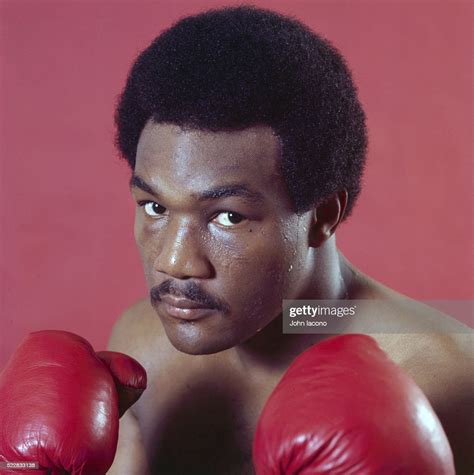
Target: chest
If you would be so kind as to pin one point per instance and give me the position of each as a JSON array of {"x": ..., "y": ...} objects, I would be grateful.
[{"x": 201, "y": 423}]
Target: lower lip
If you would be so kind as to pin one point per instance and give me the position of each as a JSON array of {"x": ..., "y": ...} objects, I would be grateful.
[{"x": 186, "y": 313}]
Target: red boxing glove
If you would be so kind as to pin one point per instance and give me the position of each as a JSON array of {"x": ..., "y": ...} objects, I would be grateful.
[
  {"x": 343, "y": 407},
  {"x": 60, "y": 403}
]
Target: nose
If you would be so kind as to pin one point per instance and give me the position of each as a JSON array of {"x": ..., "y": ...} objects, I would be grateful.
[{"x": 181, "y": 253}]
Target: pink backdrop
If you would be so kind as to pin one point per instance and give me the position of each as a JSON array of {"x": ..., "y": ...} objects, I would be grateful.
[{"x": 67, "y": 253}]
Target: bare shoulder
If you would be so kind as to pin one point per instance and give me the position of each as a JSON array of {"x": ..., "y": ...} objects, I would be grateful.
[
  {"x": 137, "y": 332},
  {"x": 126, "y": 327},
  {"x": 432, "y": 347},
  {"x": 438, "y": 353},
  {"x": 422, "y": 334}
]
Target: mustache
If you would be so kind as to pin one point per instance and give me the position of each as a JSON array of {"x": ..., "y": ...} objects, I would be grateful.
[{"x": 190, "y": 291}]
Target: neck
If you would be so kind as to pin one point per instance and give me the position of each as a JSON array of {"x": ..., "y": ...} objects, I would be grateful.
[{"x": 329, "y": 277}]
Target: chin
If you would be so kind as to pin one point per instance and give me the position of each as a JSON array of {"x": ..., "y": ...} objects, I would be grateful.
[{"x": 190, "y": 339}]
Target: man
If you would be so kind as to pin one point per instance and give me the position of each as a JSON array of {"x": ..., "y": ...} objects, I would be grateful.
[{"x": 247, "y": 144}]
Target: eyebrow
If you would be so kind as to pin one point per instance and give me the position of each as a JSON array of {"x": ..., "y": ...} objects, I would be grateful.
[
  {"x": 138, "y": 182},
  {"x": 218, "y": 192}
]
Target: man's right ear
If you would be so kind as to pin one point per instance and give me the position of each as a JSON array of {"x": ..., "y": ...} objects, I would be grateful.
[{"x": 326, "y": 217}]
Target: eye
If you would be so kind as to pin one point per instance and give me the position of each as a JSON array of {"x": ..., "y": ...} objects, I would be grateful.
[
  {"x": 152, "y": 209},
  {"x": 229, "y": 218}
]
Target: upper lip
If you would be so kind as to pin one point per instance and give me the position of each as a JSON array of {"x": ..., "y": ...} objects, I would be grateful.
[{"x": 181, "y": 302}]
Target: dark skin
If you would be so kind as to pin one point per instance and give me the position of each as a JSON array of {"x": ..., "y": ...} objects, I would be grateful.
[
  {"x": 214, "y": 223},
  {"x": 191, "y": 238}
]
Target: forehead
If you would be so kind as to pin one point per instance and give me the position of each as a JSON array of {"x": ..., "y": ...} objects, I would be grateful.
[{"x": 169, "y": 156}]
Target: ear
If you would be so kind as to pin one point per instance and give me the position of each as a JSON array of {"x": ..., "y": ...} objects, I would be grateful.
[{"x": 326, "y": 218}]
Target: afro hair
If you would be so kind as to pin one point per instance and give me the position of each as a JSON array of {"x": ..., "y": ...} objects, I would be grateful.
[{"x": 237, "y": 67}]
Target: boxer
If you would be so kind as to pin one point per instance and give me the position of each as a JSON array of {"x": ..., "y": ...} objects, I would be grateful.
[{"x": 247, "y": 144}]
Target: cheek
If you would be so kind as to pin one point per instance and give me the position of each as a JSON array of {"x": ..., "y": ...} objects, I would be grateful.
[
  {"x": 143, "y": 245},
  {"x": 138, "y": 229},
  {"x": 261, "y": 252},
  {"x": 256, "y": 273},
  {"x": 268, "y": 269}
]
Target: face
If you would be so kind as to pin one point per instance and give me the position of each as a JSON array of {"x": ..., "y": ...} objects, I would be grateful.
[{"x": 220, "y": 244}]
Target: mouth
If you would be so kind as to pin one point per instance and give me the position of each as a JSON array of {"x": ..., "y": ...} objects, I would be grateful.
[{"x": 184, "y": 309}]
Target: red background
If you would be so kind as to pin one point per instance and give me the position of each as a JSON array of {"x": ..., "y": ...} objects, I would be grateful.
[{"x": 67, "y": 251}]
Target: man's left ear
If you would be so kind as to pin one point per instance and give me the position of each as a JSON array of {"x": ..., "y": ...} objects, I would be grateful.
[{"x": 326, "y": 218}]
